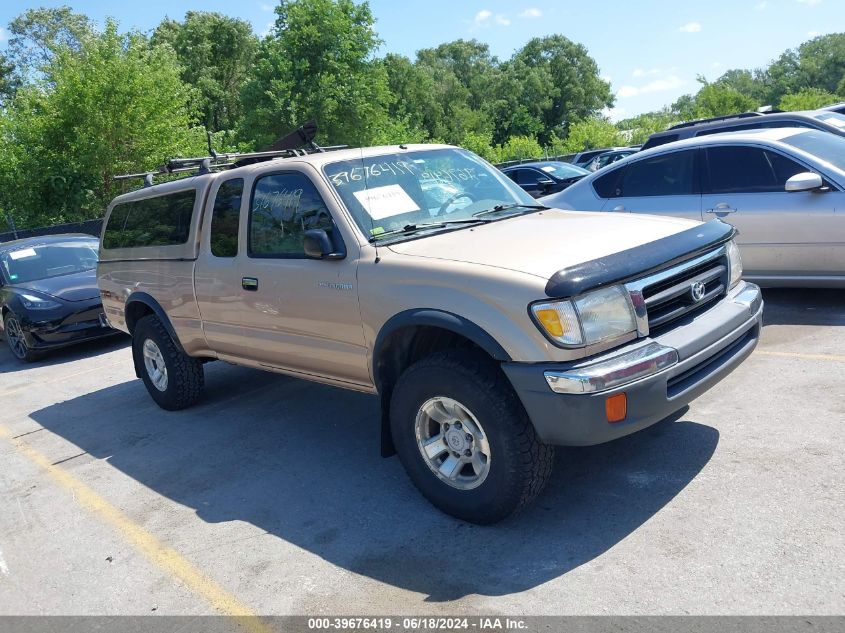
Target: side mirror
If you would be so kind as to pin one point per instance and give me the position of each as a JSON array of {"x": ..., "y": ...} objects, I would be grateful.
[
  {"x": 317, "y": 245},
  {"x": 546, "y": 183},
  {"x": 805, "y": 181}
]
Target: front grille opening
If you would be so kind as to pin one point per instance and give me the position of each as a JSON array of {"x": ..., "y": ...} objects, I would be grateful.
[
  {"x": 694, "y": 375},
  {"x": 671, "y": 300}
]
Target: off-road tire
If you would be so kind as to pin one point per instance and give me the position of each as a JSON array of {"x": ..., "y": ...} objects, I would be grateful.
[
  {"x": 520, "y": 463},
  {"x": 185, "y": 378}
]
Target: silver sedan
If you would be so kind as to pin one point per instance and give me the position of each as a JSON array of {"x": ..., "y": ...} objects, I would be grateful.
[{"x": 782, "y": 188}]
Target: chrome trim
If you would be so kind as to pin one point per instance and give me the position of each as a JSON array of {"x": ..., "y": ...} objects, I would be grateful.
[
  {"x": 635, "y": 288},
  {"x": 749, "y": 296},
  {"x": 615, "y": 372}
]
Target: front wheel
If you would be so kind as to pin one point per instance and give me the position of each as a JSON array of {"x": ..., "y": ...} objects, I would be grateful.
[
  {"x": 16, "y": 340},
  {"x": 173, "y": 379},
  {"x": 465, "y": 439}
]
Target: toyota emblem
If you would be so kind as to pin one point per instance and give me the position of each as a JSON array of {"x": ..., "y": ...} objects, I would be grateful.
[{"x": 697, "y": 290}]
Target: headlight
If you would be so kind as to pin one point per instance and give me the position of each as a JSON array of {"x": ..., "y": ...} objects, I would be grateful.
[
  {"x": 597, "y": 316},
  {"x": 31, "y": 302},
  {"x": 735, "y": 263}
]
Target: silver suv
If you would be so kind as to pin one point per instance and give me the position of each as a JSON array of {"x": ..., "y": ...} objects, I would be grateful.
[{"x": 489, "y": 327}]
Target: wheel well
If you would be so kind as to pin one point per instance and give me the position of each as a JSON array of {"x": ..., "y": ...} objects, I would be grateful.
[
  {"x": 401, "y": 349},
  {"x": 135, "y": 311}
]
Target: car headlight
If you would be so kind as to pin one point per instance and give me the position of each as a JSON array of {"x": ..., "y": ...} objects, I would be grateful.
[
  {"x": 601, "y": 315},
  {"x": 31, "y": 302},
  {"x": 735, "y": 263}
]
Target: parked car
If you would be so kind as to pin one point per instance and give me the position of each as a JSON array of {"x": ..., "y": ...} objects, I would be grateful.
[
  {"x": 544, "y": 177},
  {"x": 608, "y": 158},
  {"x": 835, "y": 107},
  {"x": 824, "y": 120},
  {"x": 490, "y": 333},
  {"x": 783, "y": 188},
  {"x": 582, "y": 158},
  {"x": 48, "y": 294}
]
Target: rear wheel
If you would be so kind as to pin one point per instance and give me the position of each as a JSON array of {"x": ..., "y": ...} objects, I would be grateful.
[
  {"x": 16, "y": 340},
  {"x": 173, "y": 379},
  {"x": 465, "y": 439}
]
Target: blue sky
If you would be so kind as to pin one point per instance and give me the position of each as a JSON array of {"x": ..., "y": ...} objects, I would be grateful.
[{"x": 650, "y": 50}]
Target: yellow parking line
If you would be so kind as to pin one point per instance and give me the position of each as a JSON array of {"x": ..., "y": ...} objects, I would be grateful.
[
  {"x": 833, "y": 357},
  {"x": 166, "y": 558}
]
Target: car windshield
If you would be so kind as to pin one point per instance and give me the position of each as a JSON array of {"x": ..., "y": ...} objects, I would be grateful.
[
  {"x": 440, "y": 187},
  {"x": 823, "y": 145},
  {"x": 833, "y": 118},
  {"x": 564, "y": 170},
  {"x": 41, "y": 261}
]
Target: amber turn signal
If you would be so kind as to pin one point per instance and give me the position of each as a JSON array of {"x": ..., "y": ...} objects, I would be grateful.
[{"x": 616, "y": 407}]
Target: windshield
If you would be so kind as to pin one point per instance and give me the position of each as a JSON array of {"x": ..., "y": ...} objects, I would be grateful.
[
  {"x": 564, "y": 170},
  {"x": 833, "y": 118},
  {"x": 42, "y": 261},
  {"x": 824, "y": 146},
  {"x": 388, "y": 192}
]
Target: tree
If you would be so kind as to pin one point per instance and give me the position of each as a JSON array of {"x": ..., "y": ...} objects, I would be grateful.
[
  {"x": 115, "y": 106},
  {"x": 571, "y": 77},
  {"x": 216, "y": 53},
  {"x": 712, "y": 99},
  {"x": 807, "y": 99},
  {"x": 640, "y": 127},
  {"x": 817, "y": 63},
  {"x": 592, "y": 133},
  {"x": 9, "y": 82},
  {"x": 318, "y": 64},
  {"x": 37, "y": 34}
]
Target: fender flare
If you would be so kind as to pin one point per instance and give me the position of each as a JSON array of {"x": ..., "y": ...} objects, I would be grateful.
[
  {"x": 436, "y": 318},
  {"x": 155, "y": 306}
]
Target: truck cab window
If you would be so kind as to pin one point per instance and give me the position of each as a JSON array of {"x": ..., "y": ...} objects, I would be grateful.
[{"x": 225, "y": 218}]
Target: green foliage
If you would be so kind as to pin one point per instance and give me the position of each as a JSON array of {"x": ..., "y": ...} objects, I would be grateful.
[
  {"x": 481, "y": 143},
  {"x": 37, "y": 34},
  {"x": 640, "y": 127},
  {"x": 717, "y": 100},
  {"x": 592, "y": 133},
  {"x": 317, "y": 64},
  {"x": 216, "y": 53},
  {"x": 115, "y": 106},
  {"x": 517, "y": 148},
  {"x": 807, "y": 99}
]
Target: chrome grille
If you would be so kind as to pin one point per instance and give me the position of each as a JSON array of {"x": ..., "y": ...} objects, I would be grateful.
[{"x": 665, "y": 297}]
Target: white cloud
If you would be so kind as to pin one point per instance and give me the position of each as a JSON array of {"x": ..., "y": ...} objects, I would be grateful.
[
  {"x": 761, "y": 6},
  {"x": 268, "y": 28},
  {"x": 266, "y": 7},
  {"x": 670, "y": 82},
  {"x": 531, "y": 13},
  {"x": 503, "y": 20},
  {"x": 812, "y": 33},
  {"x": 4, "y": 34},
  {"x": 482, "y": 16},
  {"x": 809, "y": 3},
  {"x": 690, "y": 27}
]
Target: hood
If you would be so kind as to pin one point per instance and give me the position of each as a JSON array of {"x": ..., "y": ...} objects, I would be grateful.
[
  {"x": 73, "y": 287},
  {"x": 543, "y": 243}
]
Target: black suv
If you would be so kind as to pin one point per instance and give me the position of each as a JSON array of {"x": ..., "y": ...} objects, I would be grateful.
[{"x": 825, "y": 120}]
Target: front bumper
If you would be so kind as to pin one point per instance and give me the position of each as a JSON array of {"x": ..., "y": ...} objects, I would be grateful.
[
  {"x": 659, "y": 376},
  {"x": 83, "y": 322}
]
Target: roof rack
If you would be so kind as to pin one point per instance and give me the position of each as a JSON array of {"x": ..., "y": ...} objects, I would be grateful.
[
  {"x": 727, "y": 117},
  {"x": 300, "y": 142}
]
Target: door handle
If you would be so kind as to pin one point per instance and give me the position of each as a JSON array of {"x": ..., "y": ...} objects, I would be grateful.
[
  {"x": 722, "y": 208},
  {"x": 249, "y": 283},
  {"x": 619, "y": 207}
]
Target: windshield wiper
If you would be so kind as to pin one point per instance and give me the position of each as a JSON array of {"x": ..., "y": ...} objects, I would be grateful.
[
  {"x": 409, "y": 229},
  {"x": 513, "y": 205}
]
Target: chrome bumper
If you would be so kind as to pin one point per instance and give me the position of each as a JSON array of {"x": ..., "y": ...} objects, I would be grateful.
[{"x": 636, "y": 364}]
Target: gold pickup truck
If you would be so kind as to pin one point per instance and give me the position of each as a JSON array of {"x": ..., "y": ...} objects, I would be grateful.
[{"x": 490, "y": 327}]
